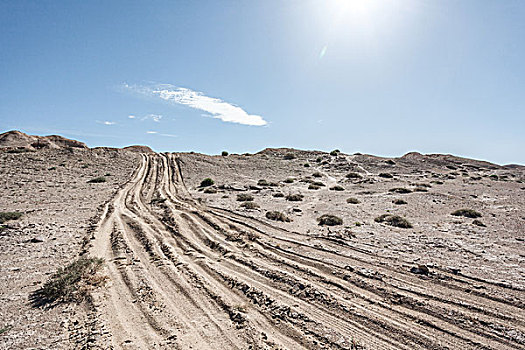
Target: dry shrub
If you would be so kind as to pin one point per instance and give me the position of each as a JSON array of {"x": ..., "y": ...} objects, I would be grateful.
[
  {"x": 330, "y": 220},
  {"x": 71, "y": 283},
  {"x": 277, "y": 216},
  {"x": 393, "y": 220}
]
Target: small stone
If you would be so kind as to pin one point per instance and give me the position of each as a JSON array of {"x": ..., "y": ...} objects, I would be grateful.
[{"x": 37, "y": 239}]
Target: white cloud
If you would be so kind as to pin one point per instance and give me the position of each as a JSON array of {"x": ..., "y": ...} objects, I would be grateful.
[
  {"x": 106, "y": 122},
  {"x": 154, "y": 117},
  {"x": 131, "y": 117},
  {"x": 216, "y": 107},
  {"x": 160, "y": 134}
]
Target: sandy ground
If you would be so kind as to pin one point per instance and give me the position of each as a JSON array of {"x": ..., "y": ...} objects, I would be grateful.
[
  {"x": 50, "y": 187},
  {"x": 189, "y": 268}
]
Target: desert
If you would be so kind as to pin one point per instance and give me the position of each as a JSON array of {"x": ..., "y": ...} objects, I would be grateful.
[{"x": 281, "y": 249}]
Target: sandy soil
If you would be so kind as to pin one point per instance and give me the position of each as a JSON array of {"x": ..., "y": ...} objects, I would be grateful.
[
  {"x": 50, "y": 187},
  {"x": 189, "y": 268}
]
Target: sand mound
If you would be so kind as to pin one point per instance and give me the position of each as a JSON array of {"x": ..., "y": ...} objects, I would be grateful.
[
  {"x": 17, "y": 139},
  {"x": 139, "y": 149}
]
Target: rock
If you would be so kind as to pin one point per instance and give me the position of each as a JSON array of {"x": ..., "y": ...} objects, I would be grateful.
[{"x": 37, "y": 239}]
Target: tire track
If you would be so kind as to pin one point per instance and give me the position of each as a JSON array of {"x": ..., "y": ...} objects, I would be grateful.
[{"x": 185, "y": 275}]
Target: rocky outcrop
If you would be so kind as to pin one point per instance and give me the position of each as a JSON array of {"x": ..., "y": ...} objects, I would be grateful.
[{"x": 18, "y": 140}]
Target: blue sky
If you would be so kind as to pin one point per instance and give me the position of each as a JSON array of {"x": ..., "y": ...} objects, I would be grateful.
[{"x": 379, "y": 77}]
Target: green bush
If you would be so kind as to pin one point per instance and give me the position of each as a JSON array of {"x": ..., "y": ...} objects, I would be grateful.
[
  {"x": 294, "y": 197},
  {"x": 386, "y": 175},
  {"x": 393, "y": 220},
  {"x": 9, "y": 215},
  {"x": 244, "y": 197},
  {"x": 289, "y": 180},
  {"x": 335, "y": 152},
  {"x": 329, "y": 220},
  {"x": 352, "y": 201},
  {"x": 97, "y": 180},
  {"x": 400, "y": 190},
  {"x": 468, "y": 213},
  {"x": 224, "y": 153},
  {"x": 71, "y": 283},
  {"x": 207, "y": 182},
  {"x": 306, "y": 165},
  {"x": 277, "y": 216},
  {"x": 353, "y": 176},
  {"x": 262, "y": 182},
  {"x": 250, "y": 205},
  {"x": 478, "y": 223}
]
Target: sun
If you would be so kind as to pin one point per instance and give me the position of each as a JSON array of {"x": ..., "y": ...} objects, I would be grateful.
[{"x": 354, "y": 6}]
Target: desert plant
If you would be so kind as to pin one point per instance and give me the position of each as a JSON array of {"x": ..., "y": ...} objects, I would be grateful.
[
  {"x": 352, "y": 201},
  {"x": 71, "y": 283},
  {"x": 337, "y": 188},
  {"x": 468, "y": 213},
  {"x": 400, "y": 190},
  {"x": 250, "y": 205},
  {"x": 478, "y": 223},
  {"x": 277, "y": 216},
  {"x": 9, "y": 215},
  {"x": 289, "y": 156},
  {"x": 399, "y": 202},
  {"x": 289, "y": 180},
  {"x": 18, "y": 150},
  {"x": 306, "y": 165},
  {"x": 294, "y": 197},
  {"x": 319, "y": 160},
  {"x": 335, "y": 152},
  {"x": 97, "y": 180},
  {"x": 393, "y": 220},
  {"x": 262, "y": 182},
  {"x": 207, "y": 182},
  {"x": 278, "y": 194},
  {"x": 244, "y": 197},
  {"x": 329, "y": 220},
  {"x": 224, "y": 153},
  {"x": 386, "y": 175},
  {"x": 353, "y": 176}
]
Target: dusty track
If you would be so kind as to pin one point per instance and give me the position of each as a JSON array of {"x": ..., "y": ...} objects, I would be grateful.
[{"x": 184, "y": 275}]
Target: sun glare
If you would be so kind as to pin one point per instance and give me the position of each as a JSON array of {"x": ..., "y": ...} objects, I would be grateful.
[{"x": 357, "y": 7}]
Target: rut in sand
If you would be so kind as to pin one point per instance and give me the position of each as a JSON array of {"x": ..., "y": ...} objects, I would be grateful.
[{"x": 185, "y": 275}]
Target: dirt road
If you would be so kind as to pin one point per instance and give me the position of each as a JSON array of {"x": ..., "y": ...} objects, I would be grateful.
[{"x": 183, "y": 275}]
